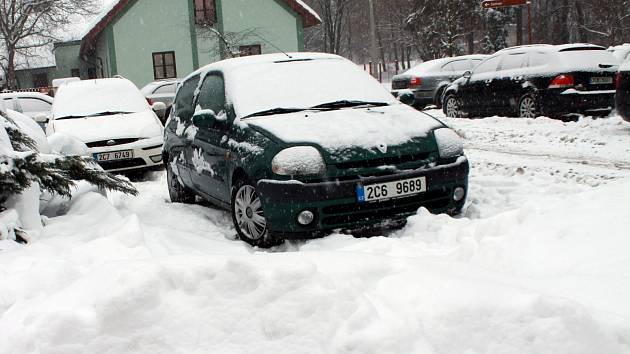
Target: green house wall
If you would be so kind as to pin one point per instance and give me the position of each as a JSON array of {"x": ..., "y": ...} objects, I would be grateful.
[{"x": 126, "y": 46}]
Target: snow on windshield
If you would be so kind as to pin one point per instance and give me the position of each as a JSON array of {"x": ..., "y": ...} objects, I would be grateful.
[
  {"x": 586, "y": 59},
  {"x": 300, "y": 84},
  {"x": 89, "y": 97}
]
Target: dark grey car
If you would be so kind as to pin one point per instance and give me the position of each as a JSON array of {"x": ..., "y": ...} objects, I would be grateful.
[{"x": 428, "y": 80}]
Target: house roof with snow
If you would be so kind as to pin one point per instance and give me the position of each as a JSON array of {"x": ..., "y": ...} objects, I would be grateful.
[{"x": 113, "y": 9}]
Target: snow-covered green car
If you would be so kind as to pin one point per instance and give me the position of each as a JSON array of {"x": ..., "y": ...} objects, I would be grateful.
[{"x": 298, "y": 145}]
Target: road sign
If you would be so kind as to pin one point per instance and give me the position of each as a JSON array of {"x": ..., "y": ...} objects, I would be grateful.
[{"x": 491, "y": 4}]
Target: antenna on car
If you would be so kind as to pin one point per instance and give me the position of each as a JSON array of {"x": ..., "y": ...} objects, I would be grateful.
[{"x": 271, "y": 44}]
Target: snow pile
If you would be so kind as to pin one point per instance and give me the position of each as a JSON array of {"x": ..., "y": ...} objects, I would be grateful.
[
  {"x": 105, "y": 278},
  {"x": 539, "y": 264}
]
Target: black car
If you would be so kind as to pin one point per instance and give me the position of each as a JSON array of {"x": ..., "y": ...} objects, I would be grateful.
[
  {"x": 537, "y": 80},
  {"x": 623, "y": 91}
]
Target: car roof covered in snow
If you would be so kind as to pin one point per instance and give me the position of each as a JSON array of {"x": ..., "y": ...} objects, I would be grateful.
[
  {"x": 26, "y": 94},
  {"x": 436, "y": 64},
  {"x": 228, "y": 65},
  {"x": 552, "y": 48}
]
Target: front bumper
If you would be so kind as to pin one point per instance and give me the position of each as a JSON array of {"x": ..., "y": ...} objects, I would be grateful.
[
  {"x": 147, "y": 154},
  {"x": 572, "y": 101},
  {"x": 335, "y": 203}
]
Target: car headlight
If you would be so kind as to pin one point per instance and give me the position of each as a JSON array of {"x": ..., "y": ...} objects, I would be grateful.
[
  {"x": 449, "y": 143},
  {"x": 299, "y": 161}
]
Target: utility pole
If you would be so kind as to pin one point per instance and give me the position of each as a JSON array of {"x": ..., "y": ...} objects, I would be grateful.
[{"x": 373, "y": 45}]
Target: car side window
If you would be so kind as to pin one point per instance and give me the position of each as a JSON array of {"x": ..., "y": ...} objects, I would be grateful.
[
  {"x": 447, "y": 67},
  {"x": 34, "y": 105},
  {"x": 461, "y": 65},
  {"x": 537, "y": 59},
  {"x": 513, "y": 61},
  {"x": 8, "y": 102},
  {"x": 166, "y": 89},
  {"x": 212, "y": 94},
  {"x": 487, "y": 66},
  {"x": 183, "y": 107}
]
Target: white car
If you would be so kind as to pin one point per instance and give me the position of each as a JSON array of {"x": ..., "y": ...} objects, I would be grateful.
[
  {"x": 113, "y": 119},
  {"x": 35, "y": 105}
]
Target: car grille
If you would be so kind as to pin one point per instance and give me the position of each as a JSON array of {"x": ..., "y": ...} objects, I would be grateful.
[
  {"x": 120, "y": 164},
  {"x": 342, "y": 214},
  {"x": 385, "y": 161},
  {"x": 111, "y": 142},
  {"x": 400, "y": 84}
]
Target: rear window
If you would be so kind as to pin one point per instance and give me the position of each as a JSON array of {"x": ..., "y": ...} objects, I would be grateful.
[
  {"x": 166, "y": 89},
  {"x": 29, "y": 104},
  {"x": 581, "y": 58}
]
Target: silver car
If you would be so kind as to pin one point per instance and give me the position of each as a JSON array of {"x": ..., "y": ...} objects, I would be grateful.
[
  {"x": 161, "y": 91},
  {"x": 428, "y": 80},
  {"x": 32, "y": 104}
]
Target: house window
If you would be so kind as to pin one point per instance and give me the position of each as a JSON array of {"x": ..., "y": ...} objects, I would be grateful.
[
  {"x": 247, "y": 50},
  {"x": 205, "y": 12},
  {"x": 164, "y": 65},
  {"x": 75, "y": 73},
  {"x": 40, "y": 80}
]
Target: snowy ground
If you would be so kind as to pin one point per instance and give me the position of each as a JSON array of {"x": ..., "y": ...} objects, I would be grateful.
[{"x": 538, "y": 264}]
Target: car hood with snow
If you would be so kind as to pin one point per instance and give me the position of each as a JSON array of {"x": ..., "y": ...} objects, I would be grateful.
[
  {"x": 349, "y": 134},
  {"x": 116, "y": 126}
]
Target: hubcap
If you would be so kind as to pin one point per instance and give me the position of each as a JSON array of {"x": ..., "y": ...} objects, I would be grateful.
[
  {"x": 451, "y": 107},
  {"x": 528, "y": 108},
  {"x": 249, "y": 213}
]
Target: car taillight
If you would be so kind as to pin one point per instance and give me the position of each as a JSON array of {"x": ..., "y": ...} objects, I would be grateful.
[
  {"x": 618, "y": 81},
  {"x": 415, "y": 82},
  {"x": 150, "y": 101},
  {"x": 562, "y": 81}
]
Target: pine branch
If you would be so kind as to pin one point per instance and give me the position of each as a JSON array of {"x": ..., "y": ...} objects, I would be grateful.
[{"x": 20, "y": 141}]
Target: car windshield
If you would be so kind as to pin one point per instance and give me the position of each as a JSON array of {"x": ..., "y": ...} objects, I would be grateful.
[
  {"x": 586, "y": 59},
  {"x": 297, "y": 85},
  {"x": 92, "y": 98}
]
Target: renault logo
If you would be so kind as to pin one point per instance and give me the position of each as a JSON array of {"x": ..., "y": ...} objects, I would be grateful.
[
  {"x": 382, "y": 148},
  {"x": 111, "y": 142}
]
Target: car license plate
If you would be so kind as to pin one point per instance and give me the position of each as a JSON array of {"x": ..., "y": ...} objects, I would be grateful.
[
  {"x": 113, "y": 155},
  {"x": 389, "y": 190},
  {"x": 601, "y": 80}
]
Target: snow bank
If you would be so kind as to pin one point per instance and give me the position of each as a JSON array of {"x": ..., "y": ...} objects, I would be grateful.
[{"x": 104, "y": 278}]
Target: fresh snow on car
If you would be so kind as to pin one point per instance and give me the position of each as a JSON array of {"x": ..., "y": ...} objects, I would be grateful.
[
  {"x": 296, "y": 161},
  {"x": 113, "y": 119}
]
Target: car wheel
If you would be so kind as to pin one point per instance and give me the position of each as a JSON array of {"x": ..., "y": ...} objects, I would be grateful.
[
  {"x": 528, "y": 106},
  {"x": 178, "y": 192},
  {"x": 451, "y": 107},
  {"x": 248, "y": 215}
]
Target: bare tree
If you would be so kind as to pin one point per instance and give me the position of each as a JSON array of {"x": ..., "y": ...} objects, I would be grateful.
[{"x": 26, "y": 25}]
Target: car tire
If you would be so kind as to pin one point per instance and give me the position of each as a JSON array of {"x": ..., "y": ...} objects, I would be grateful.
[
  {"x": 528, "y": 106},
  {"x": 451, "y": 107},
  {"x": 176, "y": 191},
  {"x": 248, "y": 215}
]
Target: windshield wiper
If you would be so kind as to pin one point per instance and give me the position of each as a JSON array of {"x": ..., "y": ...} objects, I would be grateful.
[
  {"x": 99, "y": 114},
  {"x": 273, "y": 111},
  {"x": 106, "y": 113},
  {"x": 348, "y": 104}
]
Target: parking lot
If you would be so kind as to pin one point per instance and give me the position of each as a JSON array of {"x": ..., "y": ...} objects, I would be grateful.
[{"x": 542, "y": 244}]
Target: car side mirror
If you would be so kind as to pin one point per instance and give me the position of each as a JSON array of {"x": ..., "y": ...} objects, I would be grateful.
[
  {"x": 204, "y": 119},
  {"x": 41, "y": 118},
  {"x": 407, "y": 98},
  {"x": 467, "y": 74},
  {"x": 158, "y": 107}
]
